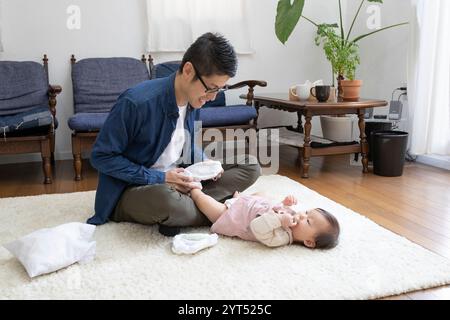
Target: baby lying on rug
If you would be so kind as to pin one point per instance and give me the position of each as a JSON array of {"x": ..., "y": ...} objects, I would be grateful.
[{"x": 254, "y": 218}]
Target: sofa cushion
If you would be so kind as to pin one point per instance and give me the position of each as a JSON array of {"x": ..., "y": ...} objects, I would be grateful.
[
  {"x": 37, "y": 131},
  {"x": 162, "y": 70},
  {"x": 218, "y": 102},
  {"x": 24, "y": 86},
  {"x": 226, "y": 116},
  {"x": 87, "y": 121},
  {"x": 98, "y": 82},
  {"x": 37, "y": 118}
]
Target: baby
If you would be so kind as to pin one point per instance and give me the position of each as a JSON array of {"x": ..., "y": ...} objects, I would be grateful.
[{"x": 252, "y": 217}]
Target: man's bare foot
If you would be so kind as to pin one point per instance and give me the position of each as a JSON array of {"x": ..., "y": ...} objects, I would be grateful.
[{"x": 236, "y": 194}]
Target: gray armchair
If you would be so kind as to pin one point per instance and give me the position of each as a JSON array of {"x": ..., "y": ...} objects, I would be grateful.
[
  {"x": 97, "y": 83},
  {"x": 27, "y": 111}
]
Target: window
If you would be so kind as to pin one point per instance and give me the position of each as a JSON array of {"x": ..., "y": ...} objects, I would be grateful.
[{"x": 173, "y": 25}]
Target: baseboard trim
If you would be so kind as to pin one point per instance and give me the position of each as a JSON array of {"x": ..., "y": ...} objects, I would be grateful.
[{"x": 438, "y": 161}]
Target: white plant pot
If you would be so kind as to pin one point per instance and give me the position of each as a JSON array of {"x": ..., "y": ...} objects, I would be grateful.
[{"x": 338, "y": 129}]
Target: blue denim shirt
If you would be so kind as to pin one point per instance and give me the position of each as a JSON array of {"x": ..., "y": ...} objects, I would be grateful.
[{"x": 135, "y": 134}]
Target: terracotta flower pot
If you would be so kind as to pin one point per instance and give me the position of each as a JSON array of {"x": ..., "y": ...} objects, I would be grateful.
[{"x": 351, "y": 89}]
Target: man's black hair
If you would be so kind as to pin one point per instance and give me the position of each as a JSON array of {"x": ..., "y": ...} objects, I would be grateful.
[{"x": 211, "y": 54}]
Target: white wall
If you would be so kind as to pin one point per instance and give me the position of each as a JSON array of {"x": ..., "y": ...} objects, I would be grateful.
[
  {"x": 384, "y": 54},
  {"x": 118, "y": 28}
]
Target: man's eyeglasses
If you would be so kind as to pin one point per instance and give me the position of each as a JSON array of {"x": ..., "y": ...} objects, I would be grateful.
[{"x": 207, "y": 89}]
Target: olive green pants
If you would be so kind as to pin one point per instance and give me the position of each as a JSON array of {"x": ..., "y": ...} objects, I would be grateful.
[{"x": 161, "y": 203}]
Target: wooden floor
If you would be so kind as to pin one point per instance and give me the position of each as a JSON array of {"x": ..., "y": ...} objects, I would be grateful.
[{"x": 415, "y": 205}]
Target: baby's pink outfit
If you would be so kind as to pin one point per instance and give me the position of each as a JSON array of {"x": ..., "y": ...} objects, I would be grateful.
[{"x": 236, "y": 222}]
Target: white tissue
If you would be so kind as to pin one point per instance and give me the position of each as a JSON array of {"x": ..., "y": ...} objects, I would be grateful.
[{"x": 204, "y": 170}]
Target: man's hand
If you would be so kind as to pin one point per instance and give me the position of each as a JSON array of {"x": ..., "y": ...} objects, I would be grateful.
[
  {"x": 290, "y": 200},
  {"x": 180, "y": 181}
]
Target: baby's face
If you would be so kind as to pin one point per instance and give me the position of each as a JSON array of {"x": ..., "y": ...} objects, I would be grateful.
[{"x": 309, "y": 225}]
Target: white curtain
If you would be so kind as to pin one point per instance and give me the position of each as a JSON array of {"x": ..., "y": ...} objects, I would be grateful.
[
  {"x": 173, "y": 25},
  {"x": 429, "y": 78}
]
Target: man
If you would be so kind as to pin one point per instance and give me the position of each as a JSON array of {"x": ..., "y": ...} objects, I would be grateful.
[{"x": 138, "y": 147}]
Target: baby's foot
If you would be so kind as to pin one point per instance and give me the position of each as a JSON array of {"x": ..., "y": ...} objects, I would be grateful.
[{"x": 236, "y": 194}]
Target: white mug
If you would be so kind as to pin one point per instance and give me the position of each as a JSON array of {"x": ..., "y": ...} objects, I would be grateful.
[{"x": 300, "y": 91}]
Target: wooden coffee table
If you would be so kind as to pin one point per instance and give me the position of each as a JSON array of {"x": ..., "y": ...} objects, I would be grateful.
[{"x": 308, "y": 109}]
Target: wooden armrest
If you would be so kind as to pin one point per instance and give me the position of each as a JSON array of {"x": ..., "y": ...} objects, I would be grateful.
[
  {"x": 248, "y": 83},
  {"x": 54, "y": 89}
]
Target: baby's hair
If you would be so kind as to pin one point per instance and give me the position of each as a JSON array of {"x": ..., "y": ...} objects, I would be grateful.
[{"x": 328, "y": 239}]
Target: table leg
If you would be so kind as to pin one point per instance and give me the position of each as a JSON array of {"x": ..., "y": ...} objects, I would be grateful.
[
  {"x": 299, "y": 122},
  {"x": 306, "y": 150},
  {"x": 364, "y": 144}
]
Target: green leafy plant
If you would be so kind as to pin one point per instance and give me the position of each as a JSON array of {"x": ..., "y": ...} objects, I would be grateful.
[
  {"x": 343, "y": 55},
  {"x": 342, "y": 52}
]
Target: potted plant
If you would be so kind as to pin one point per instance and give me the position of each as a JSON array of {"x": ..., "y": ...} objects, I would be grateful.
[{"x": 340, "y": 50}]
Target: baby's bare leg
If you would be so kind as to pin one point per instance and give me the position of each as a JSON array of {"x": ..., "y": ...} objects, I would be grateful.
[{"x": 210, "y": 207}]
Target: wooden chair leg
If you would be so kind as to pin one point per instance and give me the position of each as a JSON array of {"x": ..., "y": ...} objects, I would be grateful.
[
  {"x": 52, "y": 145},
  {"x": 46, "y": 163},
  {"x": 77, "y": 166},
  {"x": 300, "y": 157},
  {"x": 76, "y": 151}
]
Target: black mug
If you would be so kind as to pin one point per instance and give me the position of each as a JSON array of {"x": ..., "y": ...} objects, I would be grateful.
[{"x": 322, "y": 93}]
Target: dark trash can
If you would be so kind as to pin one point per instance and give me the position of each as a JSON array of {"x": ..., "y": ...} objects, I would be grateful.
[
  {"x": 389, "y": 151},
  {"x": 372, "y": 126}
]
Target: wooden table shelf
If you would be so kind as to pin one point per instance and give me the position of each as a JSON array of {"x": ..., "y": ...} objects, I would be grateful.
[{"x": 308, "y": 109}]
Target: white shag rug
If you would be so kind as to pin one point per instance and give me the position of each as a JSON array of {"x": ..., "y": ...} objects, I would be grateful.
[{"x": 136, "y": 262}]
